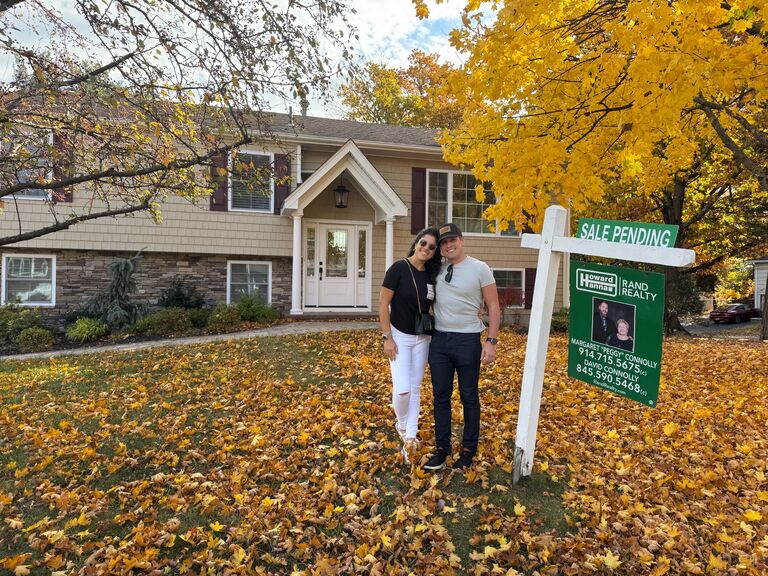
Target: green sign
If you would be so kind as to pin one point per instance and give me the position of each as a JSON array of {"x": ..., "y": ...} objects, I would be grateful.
[
  {"x": 637, "y": 233},
  {"x": 616, "y": 329}
]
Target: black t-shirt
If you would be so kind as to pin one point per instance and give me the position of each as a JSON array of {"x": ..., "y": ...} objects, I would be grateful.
[{"x": 403, "y": 308}]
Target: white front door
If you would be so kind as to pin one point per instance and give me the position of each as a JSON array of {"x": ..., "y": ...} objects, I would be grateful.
[{"x": 336, "y": 265}]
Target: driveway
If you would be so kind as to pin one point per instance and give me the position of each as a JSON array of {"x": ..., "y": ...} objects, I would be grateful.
[{"x": 703, "y": 327}]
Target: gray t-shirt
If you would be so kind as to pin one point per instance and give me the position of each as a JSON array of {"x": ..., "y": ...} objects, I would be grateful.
[{"x": 458, "y": 302}]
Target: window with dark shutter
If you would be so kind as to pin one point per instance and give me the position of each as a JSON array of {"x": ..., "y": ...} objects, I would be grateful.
[
  {"x": 63, "y": 152},
  {"x": 418, "y": 199},
  {"x": 29, "y": 156},
  {"x": 282, "y": 180},
  {"x": 251, "y": 182},
  {"x": 530, "y": 280},
  {"x": 219, "y": 179}
]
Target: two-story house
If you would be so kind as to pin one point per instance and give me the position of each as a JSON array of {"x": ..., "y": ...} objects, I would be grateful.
[{"x": 317, "y": 245}]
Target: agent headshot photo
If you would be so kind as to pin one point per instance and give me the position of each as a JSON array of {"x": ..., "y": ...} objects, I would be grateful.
[
  {"x": 603, "y": 326},
  {"x": 622, "y": 339}
]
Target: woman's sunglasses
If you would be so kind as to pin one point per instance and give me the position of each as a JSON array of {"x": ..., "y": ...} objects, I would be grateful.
[{"x": 430, "y": 247}]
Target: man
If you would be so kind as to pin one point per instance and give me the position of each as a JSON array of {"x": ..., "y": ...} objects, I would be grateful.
[
  {"x": 602, "y": 326},
  {"x": 463, "y": 285}
]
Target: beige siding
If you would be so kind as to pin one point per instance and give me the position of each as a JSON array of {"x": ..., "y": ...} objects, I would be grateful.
[{"x": 194, "y": 229}]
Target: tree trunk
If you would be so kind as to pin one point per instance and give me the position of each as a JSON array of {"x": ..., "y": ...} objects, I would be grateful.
[
  {"x": 672, "y": 298},
  {"x": 764, "y": 324}
]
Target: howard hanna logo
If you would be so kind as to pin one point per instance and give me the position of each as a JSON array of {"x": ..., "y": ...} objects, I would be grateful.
[{"x": 603, "y": 283}]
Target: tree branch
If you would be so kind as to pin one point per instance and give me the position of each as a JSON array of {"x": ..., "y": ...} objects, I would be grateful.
[{"x": 65, "y": 224}]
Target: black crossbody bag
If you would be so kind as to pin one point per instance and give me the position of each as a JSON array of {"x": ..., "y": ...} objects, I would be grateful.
[{"x": 425, "y": 322}]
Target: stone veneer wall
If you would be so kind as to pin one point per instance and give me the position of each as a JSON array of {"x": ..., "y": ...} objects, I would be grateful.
[{"x": 83, "y": 274}]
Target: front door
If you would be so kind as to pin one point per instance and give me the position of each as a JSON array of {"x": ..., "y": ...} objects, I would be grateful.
[{"x": 335, "y": 265}]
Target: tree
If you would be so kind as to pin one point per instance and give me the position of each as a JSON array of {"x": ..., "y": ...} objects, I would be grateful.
[
  {"x": 658, "y": 104},
  {"x": 412, "y": 96},
  {"x": 130, "y": 102},
  {"x": 735, "y": 281},
  {"x": 561, "y": 99}
]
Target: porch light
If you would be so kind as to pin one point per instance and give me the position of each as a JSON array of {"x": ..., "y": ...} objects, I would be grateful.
[{"x": 341, "y": 193}]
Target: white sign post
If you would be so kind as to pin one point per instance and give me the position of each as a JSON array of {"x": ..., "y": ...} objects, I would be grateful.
[{"x": 552, "y": 243}]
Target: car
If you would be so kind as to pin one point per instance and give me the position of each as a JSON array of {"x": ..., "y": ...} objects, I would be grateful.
[{"x": 733, "y": 313}]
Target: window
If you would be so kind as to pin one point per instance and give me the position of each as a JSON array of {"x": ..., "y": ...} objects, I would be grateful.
[
  {"x": 251, "y": 181},
  {"x": 31, "y": 164},
  {"x": 29, "y": 280},
  {"x": 451, "y": 198},
  {"x": 509, "y": 284},
  {"x": 249, "y": 278}
]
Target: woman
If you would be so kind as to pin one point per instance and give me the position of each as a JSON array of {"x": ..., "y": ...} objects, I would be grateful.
[
  {"x": 621, "y": 339},
  {"x": 408, "y": 285}
]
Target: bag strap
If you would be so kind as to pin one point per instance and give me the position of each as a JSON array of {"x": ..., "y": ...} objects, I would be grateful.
[{"x": 418, "y": 298}]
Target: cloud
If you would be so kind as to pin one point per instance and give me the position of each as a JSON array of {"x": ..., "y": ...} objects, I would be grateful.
[{"x": 389, "y": 31}]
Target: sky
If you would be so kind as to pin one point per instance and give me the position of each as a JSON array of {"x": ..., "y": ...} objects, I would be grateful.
[{"x": 388, "y": 31}]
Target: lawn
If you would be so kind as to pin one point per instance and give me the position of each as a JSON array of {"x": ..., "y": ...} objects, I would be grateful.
[{"x": 278, "y": 456}]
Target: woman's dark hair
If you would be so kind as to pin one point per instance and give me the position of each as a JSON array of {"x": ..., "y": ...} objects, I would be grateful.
[{"x": 433, "y": 264}]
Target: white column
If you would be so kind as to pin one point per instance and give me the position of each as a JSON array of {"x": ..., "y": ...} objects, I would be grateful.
[
  {"x": 296, "y": 270},
  {"x": 547, "y": 270},
  {"x": 298, "y": 164},
  {"x": 389, "y": 250}
]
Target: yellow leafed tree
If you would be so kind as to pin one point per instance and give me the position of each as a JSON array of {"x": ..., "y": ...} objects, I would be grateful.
[{"x": 564, "y": 99}]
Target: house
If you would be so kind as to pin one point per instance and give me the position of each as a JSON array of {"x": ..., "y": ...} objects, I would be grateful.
[
  {"x": 761, "y": 278},
  {"x": 290, "y": 242}
]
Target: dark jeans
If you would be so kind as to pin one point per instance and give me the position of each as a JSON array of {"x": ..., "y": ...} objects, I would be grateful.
[{"x": 449, "y": 353}]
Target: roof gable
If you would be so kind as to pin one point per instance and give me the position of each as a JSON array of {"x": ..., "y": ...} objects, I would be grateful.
[{"x": 372, "y": 185}]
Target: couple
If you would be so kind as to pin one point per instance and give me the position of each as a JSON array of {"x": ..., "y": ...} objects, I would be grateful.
[{"x": 458, "y": 287}]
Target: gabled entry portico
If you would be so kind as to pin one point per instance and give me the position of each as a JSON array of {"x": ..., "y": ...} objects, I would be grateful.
[{"x": 331, "y": 258}]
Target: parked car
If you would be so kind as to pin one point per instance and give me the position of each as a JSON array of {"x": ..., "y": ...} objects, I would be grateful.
[{"x": 733, "y": 313}]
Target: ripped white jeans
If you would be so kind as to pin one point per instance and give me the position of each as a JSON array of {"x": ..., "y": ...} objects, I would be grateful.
[{"x": 407, "y": 374}]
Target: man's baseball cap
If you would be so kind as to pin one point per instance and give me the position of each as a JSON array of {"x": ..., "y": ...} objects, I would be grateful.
[{"x": 449, "y": 230}]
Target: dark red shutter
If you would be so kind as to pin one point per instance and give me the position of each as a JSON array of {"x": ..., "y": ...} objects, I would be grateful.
[
  {"x": 62, "y": 167},
  {"x": 220, "y": 182},
  {"x": 418, "y": 199},
  {"x": 282, "y": 180},
  {"x": 530, "y": 281}
]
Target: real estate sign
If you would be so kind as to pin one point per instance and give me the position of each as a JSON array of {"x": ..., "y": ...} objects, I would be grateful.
[
  {"x": 622, "y": 232},
  {"x": 616, "y": 329}
]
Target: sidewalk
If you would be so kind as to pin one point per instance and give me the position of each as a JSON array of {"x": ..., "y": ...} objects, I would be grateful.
[{"x": 279, "y": 330}]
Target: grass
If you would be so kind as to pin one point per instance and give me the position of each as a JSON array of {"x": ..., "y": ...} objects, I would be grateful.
[{"x": 278, "y": 454}]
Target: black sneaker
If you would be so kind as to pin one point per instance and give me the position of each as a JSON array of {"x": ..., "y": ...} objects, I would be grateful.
[
  {"x": 464, "y": 461},
  {"x": 436, "y": 461}
]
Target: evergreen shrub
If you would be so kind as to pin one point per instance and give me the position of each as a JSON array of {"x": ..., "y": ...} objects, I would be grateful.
[
  {"x": 164, "y": 322},
  {"x": 35, "y": 339},
  {"x": 86, "y": 330}
]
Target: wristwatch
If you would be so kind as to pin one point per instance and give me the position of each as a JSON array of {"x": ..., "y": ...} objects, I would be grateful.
[
  {"x": 386, "y": 335},
  {"x": 491, "y": 340}
]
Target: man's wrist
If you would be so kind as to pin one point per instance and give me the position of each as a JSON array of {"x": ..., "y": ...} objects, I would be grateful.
[
  {"x": 386, "y": 335},
  {"x": 492, "y": 340}
]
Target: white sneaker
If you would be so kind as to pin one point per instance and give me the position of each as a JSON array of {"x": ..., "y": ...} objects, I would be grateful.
[
  {"x": 410, "y": 447},
  {"x": 400, "y": 431},
  {"x": 406, "y": 458}
]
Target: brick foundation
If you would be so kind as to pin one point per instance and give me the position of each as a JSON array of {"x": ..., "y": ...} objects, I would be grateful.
[{"x": 81, "y": 275}]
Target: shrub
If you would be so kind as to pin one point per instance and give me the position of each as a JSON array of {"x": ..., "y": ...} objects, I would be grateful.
[
  {"x": 224, "y": 318},
  {"x": 114, "y": 306},
  {"x": 167, "y": 321},
  {"x": 561, "y": 320},
  {"x": 181, "y": 295},
  {"x": 199, "y": 317},
  {"x": 254, "y": 309},
  {"x": 35, "y": 339},
  {"x": 15, "y": 319},
  {"x": 86, "y": 330}
]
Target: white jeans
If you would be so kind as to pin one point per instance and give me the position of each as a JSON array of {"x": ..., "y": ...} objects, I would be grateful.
[{"x": 407, "y": 374}]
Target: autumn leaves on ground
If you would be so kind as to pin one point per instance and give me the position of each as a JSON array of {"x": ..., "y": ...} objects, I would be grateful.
[{"x": 278, "y": 456}]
